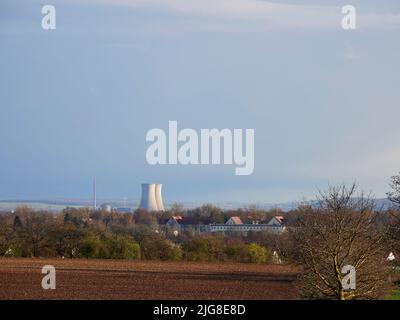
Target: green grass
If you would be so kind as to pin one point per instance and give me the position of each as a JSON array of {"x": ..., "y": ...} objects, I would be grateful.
[{"x": 395, "y": 295}]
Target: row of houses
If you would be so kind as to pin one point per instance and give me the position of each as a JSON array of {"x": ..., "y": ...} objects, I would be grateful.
[{"x": 234, "y": 224}]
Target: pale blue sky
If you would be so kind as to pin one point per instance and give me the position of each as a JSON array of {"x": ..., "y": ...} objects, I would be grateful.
[{"x": 76, "y": 102}]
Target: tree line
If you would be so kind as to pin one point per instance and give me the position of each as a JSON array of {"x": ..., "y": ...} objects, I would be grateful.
[
  {"x": 83, "y": 233},
  {"x": 342, "y": 227}
]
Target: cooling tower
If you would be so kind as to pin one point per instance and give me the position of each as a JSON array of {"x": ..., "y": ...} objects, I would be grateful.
[
  {"x": 159, "y": 201},
  {"x": 148, "y": 201}
]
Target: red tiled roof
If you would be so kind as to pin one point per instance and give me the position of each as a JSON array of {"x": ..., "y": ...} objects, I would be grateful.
[
  {"x": 280, "y": 218},
  {"x": 237, "y": 220},
  {"x": 190, "y": 220}
]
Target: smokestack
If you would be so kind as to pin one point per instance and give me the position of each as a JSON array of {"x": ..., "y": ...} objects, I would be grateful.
[
  {"x": 94, "y": 195},
  {"x": 148, "y": 201},
  {"x": 159, "y": 200}
]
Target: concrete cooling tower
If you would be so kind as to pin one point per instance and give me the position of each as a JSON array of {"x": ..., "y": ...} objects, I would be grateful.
[
  {"x": 151, "y": 197},
  {"x": 160, "y": 204}
]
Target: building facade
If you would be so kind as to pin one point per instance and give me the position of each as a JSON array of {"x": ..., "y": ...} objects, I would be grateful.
[{"x": 234, "y": 224}]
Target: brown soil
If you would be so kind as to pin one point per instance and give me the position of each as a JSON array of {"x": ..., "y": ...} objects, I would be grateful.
[{"x": 148, "y": 280}]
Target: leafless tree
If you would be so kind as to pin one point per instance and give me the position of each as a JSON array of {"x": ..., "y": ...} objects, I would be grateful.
[
  {"x": 340, "y": 230},
  {"x": 394, "y": 197},
  {"x": 34, "y": 229},
  {"x": 394, "y": 194}
]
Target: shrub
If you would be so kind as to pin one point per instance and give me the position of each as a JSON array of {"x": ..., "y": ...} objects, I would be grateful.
[
  {"x": 203, "y": 249},
  {"x": 237, "y": 252},
  {"x": 124, "y": 248},
  {"x": 257, "y": 253},
  {"x": 90, "y": 247},
  {"x": 172, "y": 252},
  {"x": 12, "y": 251},
  {"x": 154, "y": 247},
  {"x": 249, "y": 253}
]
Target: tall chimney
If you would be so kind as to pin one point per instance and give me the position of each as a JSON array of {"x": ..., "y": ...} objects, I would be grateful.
[{"x": 94, "y": 195}]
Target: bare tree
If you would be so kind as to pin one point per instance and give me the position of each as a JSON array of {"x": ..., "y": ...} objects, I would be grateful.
[
  {"x": 5, "y": 232},
  {"x": 66, "y": 238},
  {"x": 394, "y": 197},
  {"x": 34, "y": 229},
  {"x": 339, "y": 231},
  {"x": 177, "y": 208},
  {"x": 394, "y": 194}
]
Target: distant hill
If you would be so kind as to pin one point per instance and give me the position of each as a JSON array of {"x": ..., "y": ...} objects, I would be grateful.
[{"x": 58, "y": 205}]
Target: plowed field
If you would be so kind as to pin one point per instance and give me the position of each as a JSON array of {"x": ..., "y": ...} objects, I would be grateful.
[{"x": 132, "y": 280}]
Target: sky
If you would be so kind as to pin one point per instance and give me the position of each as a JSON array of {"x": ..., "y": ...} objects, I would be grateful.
[{"x": 76, "y": 102}]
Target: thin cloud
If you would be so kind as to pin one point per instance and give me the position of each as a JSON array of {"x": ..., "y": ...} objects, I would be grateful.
[
  {"x": 351, "y": 54},
  {"x": 259, "y": 13}
]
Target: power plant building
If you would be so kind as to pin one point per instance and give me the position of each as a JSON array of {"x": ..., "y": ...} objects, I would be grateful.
[{"x": 151, "y": 199}]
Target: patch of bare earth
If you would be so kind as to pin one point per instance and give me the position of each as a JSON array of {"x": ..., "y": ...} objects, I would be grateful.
[{"x": 148, "y": 280}]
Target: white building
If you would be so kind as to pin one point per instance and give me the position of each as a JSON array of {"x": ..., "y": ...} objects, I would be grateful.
[
  {"x": 234, "y": 224},
  {"x": 106, "y": 207},
  {"x": 276, "y": 221}
]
